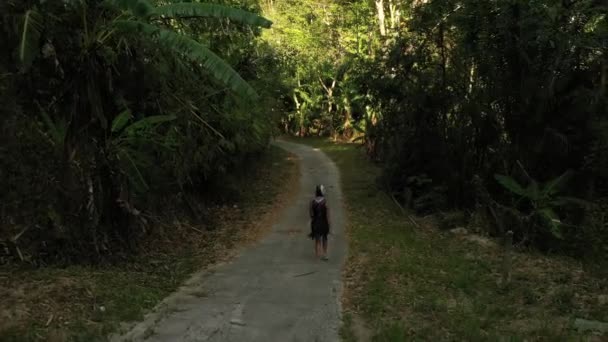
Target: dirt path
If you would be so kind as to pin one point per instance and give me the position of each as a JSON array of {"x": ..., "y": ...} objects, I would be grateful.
[{"x": 273, "y": 291}]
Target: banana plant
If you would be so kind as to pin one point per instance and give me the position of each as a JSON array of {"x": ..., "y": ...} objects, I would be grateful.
[
  {"x": 140, "y": 18},
  {"x": 128, "y": 135},
  {"x": 544, "y": 199}
]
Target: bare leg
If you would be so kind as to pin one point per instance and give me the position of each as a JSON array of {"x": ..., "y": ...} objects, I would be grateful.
[
  {"x": 317, "y": 248},
  {"x": 324, "y": 257}
]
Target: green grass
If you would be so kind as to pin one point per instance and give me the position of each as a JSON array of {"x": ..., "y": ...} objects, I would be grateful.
[
  {"x": 416, "y": 283},
  {"x": 74, "y": 296}
]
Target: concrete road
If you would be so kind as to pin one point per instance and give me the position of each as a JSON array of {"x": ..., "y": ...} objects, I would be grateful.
[{"x": 275, "y": 290}]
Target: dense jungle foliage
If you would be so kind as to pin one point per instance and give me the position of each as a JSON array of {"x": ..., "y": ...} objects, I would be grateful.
[
  {"x": 495, "y": 108},
  {"x": 117, "y": 112},
  {"x": 114, "y": 111}
]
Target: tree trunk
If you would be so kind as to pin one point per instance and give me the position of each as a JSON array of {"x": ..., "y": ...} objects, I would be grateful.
[
  {"x": 604, "y": 77},
  {"x": 348, "y": 129},
  {"x": 395, "y": 14},
  {"x": 330, "y": 101},
  {"x": 471, "y": 77},
  {"x": 381, "y": 18}
]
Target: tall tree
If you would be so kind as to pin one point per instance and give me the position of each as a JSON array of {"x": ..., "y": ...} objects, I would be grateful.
[{"x": 381, "y": 16}]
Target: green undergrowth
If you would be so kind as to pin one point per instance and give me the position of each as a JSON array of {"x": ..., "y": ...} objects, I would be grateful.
[
  {"x": 86, "y": 303},
  {"x": 406, "y": 282}
]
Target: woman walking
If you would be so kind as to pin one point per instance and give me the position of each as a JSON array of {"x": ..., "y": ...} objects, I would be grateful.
[{"x": 319, "y": 225}]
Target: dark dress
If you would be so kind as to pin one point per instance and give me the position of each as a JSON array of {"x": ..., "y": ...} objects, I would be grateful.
[{"x": 319, "y": 223}]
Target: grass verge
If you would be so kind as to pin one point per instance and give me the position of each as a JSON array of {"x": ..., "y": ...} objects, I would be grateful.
[
  {"x": 80, "y": 303},
  {"x": 407, "y": 283}
]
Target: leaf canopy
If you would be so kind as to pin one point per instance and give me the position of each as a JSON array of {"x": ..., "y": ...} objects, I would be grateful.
[
  {"x": 139, "y": 8},
  {"x": 181, "y": 10},
  {"x": 193, "y": 50}
]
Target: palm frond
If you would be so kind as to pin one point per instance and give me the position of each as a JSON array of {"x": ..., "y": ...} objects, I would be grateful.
[
  {"x": 30, "y": 37},
  {"x": 56, "y": 131},
  {"x": 181, "y": 10},
  {"x": 194, "y": 51},
  {"x": 554, "y": 185},
  {"x": 511, "y": 185},
  {"x": 135, "y": 176},
  {"x": 553, "y": 222},
  {"x": 565, "y": 200},
  {"x": 305, "y": 96},
  {"x": 533, "y": 191},
  {"x": 121, "y": 120}
]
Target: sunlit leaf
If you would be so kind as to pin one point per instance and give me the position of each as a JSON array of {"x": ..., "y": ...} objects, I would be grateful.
[{"x": 187, "y": 10}]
